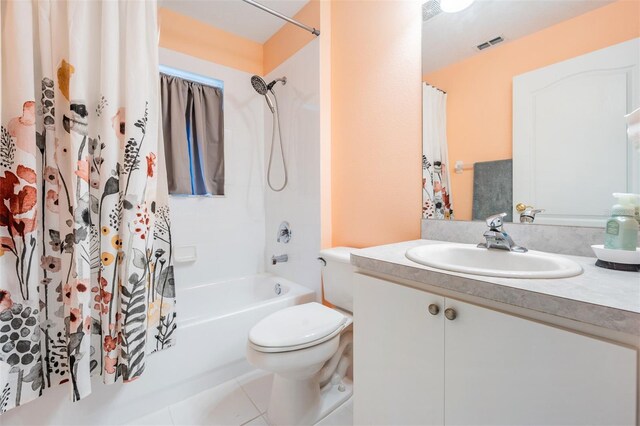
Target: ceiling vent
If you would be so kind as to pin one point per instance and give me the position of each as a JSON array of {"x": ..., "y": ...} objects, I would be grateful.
[
  {"x": 430, "y": 9},
  {"x": 490, "y": 43}
]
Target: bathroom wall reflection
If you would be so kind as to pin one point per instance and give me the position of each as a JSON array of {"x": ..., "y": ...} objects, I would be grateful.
[{"x": 525, "y": 104}]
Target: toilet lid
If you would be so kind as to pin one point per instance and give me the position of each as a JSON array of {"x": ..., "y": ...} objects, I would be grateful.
[{"x": 297, "y": 325}]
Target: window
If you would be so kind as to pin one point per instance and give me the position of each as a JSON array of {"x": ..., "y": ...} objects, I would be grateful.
[{"x": 193, "y": 127}]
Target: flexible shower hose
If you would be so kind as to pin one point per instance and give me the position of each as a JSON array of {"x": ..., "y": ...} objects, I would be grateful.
[{"x": 276, "y": 120}]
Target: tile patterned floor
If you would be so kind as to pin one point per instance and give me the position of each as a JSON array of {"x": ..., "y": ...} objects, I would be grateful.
[{"x": 239, "y": 402}]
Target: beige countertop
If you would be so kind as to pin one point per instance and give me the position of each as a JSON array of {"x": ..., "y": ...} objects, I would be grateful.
[{"x": 602, "y": 297}]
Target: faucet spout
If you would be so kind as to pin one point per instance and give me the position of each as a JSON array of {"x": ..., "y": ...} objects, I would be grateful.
[
  {"x": 279, "y": 259},
  {"x": 497, "y": 238}
]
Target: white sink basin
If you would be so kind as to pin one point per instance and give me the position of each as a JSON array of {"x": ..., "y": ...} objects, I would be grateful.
[{"x": 469, "y": 259}]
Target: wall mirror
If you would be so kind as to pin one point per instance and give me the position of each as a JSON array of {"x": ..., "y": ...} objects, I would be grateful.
[{"x": 524, "y": 102}]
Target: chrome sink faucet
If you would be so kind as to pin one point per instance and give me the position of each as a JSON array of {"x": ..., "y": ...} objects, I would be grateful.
[{"x": 497, "y": 238}]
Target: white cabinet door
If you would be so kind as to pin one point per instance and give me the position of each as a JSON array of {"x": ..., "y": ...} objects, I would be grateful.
[
  {"x": 505, "y": 370},
  {"x": 398, "y": 355}
]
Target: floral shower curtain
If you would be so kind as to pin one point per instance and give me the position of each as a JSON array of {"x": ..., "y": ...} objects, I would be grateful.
[
  {"x": 86, "y": 280},
  {"x": 436, "y": 190}
]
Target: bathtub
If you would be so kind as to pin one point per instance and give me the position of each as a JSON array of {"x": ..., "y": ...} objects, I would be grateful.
[
  {"x": 213, "y": 302},
  {"x": 214, "y": 321}
]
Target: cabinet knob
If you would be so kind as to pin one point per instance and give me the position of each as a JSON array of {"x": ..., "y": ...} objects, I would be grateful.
[
  {"x": 450, "y": 314},
  {"x": 434, "y": 309}
]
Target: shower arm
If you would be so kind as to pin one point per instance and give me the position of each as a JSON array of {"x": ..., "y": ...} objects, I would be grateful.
[
  {"x": 283, "y": 80},
  {"x": 312, "y": 30}
]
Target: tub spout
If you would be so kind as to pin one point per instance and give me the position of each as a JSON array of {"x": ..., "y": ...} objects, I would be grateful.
[{"x": 279, "y": 259}]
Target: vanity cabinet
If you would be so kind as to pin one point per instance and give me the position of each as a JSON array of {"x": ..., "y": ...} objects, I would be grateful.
[
  {"x": 414, "y": 365},
  {"x": 398, "y": 355}
]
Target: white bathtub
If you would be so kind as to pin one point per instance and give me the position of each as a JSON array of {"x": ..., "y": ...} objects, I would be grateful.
[
  {"x": 211, "y": 302},
  {"x": 214, "y": 321}
]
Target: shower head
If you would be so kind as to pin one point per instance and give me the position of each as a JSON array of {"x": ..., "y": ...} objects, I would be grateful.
[
  {"x": 262, "y": 87},
  {"x": 259, "y": 85}
]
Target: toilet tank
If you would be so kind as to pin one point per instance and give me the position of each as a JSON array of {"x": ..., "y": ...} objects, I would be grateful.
[{"x": 337, "y": 277}]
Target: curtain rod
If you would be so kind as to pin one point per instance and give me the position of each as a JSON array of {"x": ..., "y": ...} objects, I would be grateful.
[
  {"x": 189, "y": 76},
  {"x": 281, "y": 16}
]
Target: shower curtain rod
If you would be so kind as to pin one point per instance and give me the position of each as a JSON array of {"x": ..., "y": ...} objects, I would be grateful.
[{"x": 281, "y": 16}]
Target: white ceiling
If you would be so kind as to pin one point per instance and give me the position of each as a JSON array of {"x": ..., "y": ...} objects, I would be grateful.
[
  {"x": 451, "y": 37},
  {"x": 236, "y": 16}
]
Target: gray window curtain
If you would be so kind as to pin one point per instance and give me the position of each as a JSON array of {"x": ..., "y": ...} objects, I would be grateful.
[{"x": 193, "y": 126}]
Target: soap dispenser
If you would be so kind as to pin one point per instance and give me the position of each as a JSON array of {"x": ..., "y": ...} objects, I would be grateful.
[{"x": 621, "y": 232}]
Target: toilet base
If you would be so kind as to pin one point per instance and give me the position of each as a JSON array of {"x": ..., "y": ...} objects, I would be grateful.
[{"x": 302, "y": 402}]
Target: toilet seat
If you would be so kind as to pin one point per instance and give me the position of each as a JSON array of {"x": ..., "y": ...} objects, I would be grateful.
[{"x": 296, "y": 328}]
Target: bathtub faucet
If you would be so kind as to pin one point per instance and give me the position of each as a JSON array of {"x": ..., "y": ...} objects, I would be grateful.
[{"x": 279, "y": 259}]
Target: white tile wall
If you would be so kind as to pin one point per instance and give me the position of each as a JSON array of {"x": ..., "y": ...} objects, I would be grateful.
[
  {"x": 299, "y": 202},
  {"x": 228, "y": 232}
]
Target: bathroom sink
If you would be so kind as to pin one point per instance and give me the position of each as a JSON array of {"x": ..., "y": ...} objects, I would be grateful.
[{"x": 469, "y": 259}]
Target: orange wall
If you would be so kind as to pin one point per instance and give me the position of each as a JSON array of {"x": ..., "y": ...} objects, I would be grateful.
[
  {"x": 289, "y": 39},
  {"x": 325, "y": 126},
  {"x": 479, "y": 100},
  {"x": 370, "y": 103},
  {"x": 376, "y": 116},
  {"x": 187, "y": 35}
]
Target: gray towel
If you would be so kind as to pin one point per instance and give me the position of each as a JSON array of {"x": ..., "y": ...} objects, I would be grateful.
[{"x": 493, "y": 189}]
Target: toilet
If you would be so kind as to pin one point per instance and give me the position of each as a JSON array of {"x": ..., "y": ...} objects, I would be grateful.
[{"x": 308, "y": 348}]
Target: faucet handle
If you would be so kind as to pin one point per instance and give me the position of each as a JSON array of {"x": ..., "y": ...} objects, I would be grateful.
[
  {"x": 527, "y": 213},
  {"x": 495, "y": 221}
]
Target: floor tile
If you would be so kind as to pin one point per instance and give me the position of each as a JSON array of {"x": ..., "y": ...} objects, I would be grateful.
[
  {"x": 226, "y": 404},
  {"x": 159, "y": 418},
  {"x": 342, "y": 416},
  {"x": 258, "y": 421},
  {"x": 257, "y": 384}
]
